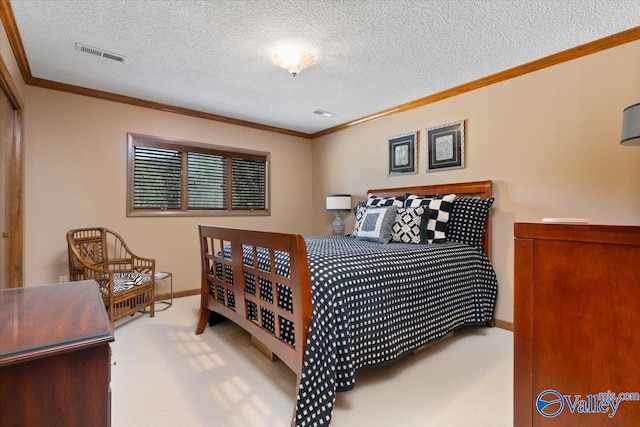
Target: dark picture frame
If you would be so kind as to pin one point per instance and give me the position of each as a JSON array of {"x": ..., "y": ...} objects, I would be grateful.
[
  {"x": 403, "y": 154},
  {"x": 445, "y": 147}
]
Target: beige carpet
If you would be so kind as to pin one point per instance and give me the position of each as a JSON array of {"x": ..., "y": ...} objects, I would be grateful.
[{"x": 165, "y": 375}]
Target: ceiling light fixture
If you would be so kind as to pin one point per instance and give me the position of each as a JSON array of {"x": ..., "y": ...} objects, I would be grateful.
[{"x": 293, "y": 59}]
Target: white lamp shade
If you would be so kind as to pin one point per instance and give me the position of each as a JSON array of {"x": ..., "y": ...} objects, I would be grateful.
[
  {"x": 631, "y": 125},
  {"x": 339, "y": 202},
  {"x": 293, "y": 59}
]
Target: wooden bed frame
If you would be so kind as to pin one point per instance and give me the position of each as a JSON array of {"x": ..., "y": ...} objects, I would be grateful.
[{"x": 212, "y": 239}]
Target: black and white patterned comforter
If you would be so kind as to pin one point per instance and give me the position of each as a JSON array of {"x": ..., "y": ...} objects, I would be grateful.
[{"x": 373, "y": 303}]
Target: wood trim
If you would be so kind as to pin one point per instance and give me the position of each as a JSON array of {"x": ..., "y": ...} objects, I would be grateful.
[
  {"x": 177, "y": 294},
  {"x": 8, "y": 86},
  {"x": 10, "y": 26},
  {"x": 6, "y": 14},
  {"x": 15, "y": 180},
  {"x": 482, "y": 188},
  {"x": 187, "y": 293},
  {"x": 618, "y": 39},
  {"x": 108, "y": 96},
  {"x": 15, "y": 170},
  {"x": 503, "y": 324}
]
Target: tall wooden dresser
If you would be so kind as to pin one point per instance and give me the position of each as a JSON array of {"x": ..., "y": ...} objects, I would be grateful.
[
  {"x": 54, "y": 356},
  {"x": 576, "y": 325}
]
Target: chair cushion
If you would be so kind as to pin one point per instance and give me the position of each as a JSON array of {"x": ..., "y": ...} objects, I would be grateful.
[{"x": 124, "y": 281}]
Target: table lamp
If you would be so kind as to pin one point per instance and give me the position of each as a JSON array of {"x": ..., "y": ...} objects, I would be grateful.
[
  {"x": 631, "y": 125},
  {"x": 338, "y": 203}
]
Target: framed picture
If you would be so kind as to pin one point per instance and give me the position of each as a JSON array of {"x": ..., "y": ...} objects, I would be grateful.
[
  {"x": 445, "y": 147},
  {"x": 403, "y": 152}
]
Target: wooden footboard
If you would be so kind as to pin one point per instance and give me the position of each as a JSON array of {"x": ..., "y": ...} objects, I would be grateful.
[{"x": 273, "y": 308}]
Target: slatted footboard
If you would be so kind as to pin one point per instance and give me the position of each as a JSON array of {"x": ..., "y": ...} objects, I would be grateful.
[{"x": 241, "y": 281}]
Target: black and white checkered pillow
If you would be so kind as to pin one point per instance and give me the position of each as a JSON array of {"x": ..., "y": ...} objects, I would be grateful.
[
  {"x": 385, "y": 201},
  {"x": 467, "y": 221},
  {"x": 407, "y": 227},
  {"x": 441, "y": 208}
]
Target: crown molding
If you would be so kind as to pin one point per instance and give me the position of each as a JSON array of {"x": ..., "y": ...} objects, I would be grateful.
[
  {"x": 614, "y": 40},
  {"x": 109, "y": 96},
  {"x": 6, "y": 15}
]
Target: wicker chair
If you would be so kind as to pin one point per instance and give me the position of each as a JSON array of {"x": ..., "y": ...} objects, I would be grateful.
[{"x": 126, "y": 280}]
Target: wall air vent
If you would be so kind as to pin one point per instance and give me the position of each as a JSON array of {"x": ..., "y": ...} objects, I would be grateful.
[{"x": 100, "y": 52}]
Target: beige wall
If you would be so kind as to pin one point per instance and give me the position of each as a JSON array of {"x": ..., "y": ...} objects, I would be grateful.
[
  {"x": 549, "y": 140},
  {"x": 76, "y": 177}
]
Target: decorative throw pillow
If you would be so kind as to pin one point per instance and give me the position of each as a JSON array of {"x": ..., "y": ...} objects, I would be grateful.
[
  {"x": 408, "y": 225},
  {"x": 467, "y": 221},
  {"x": 441, "y": 208},
  {"x": 358, "y": 212},
  {"x": 385, "y": 201},
  {"x": 376, "y": 224}
]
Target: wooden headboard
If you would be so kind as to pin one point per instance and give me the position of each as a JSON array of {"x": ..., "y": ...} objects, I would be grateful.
[{"x": 481, "y": 189}]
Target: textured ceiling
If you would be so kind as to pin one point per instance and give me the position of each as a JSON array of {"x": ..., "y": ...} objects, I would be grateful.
[{"x": 214, "y": 56}]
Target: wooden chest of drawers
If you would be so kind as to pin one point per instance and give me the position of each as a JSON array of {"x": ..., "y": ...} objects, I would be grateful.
[
  {"x": 576, "y": 325},
  {"x": 54, "y": 356}
]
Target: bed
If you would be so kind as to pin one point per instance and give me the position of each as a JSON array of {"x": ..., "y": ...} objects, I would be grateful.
[{"x": 328, "y": 306}]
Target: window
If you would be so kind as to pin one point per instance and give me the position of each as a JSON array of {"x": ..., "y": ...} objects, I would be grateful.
[{"x": 179, "y": 178}]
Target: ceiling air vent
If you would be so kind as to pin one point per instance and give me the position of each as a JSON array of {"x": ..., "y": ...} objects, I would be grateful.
[
  {"x": 324, "y": 113},
  {"x": 100, "y": 52}
]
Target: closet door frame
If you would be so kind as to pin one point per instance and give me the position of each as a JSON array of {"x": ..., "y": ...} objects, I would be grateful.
[{"x": 13, "y": 199}]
